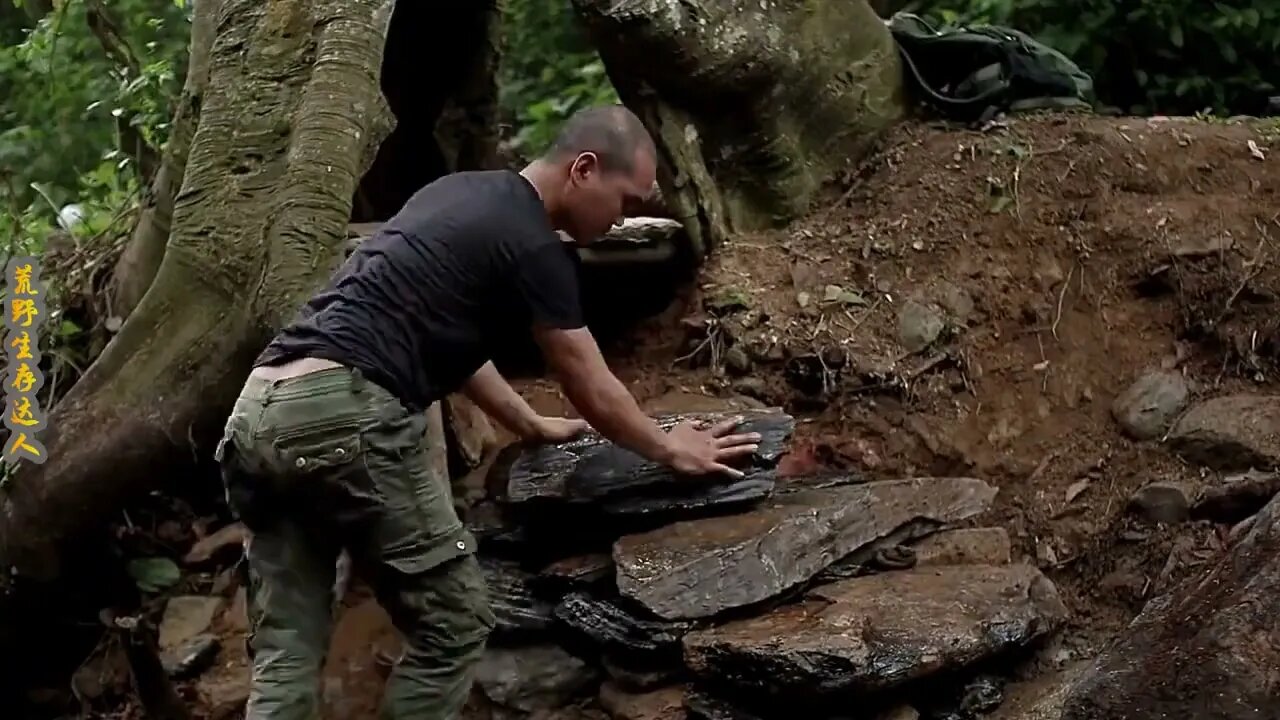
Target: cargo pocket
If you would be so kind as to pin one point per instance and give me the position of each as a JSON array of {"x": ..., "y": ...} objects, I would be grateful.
[
  {"x": 307, "y": 450},
  {"x": 430, "y": 554}
]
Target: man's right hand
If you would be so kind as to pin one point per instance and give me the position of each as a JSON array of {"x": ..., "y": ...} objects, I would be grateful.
[{"x": 698, "y": 451}]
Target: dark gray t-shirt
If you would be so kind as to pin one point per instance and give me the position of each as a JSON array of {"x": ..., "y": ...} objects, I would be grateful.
[{"x": 421, "y": 305}]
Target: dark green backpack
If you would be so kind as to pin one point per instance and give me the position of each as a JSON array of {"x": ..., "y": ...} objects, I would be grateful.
[{"x": 971, "y": 73}]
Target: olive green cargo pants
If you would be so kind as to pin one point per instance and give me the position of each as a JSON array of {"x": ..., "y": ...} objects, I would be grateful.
[{"x": 329, "y": 460}]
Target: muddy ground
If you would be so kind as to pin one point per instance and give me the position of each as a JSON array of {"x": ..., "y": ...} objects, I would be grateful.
[{"x": 967, "y": 303}]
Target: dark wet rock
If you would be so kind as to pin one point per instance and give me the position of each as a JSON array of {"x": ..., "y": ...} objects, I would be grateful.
[
  {"x": 698, "y": 568},
  {"x": 533, "y": 678},
  {"x": 1209, "y": 648},
  {"x": 1163, "y": 502},
  {"x": 190, "y": 657},
  {"x": 1236, "y": 497},
  {"x": 881, "y": 631},
  {"x": 965, "y": 546},
  {"x": 518, "y": 609},
  {"x": 661, "y": 704},
  {"x": 617, "y": 629},
  {"x": 1232, "y": 433},
  {"x": 1147, "y": 407},
  {"x": 919, "y": 325},
  {"x": 576, "y": 573},
  {"x": 590, "y": 470}
]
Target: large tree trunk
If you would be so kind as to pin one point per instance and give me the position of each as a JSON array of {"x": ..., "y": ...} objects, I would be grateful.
[
  {"x": 753, "y": 105},
  {"x": 291, "y": 115},
  {"x": 137, "y": 266}
]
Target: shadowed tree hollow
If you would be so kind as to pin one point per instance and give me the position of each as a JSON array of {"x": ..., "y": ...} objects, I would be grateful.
[{"x": 305, "y": 115}]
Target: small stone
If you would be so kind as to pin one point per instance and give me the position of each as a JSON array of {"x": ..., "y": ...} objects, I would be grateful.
[
  {"x": 1147, "y": 407},
  {"x": 664, "y": 704},
  {"x": 753, "y": 387},
  {"x": 185, "y": 617},
  {"x": 637, "y": 679},
  {"x": 736, "y": 361},
  {"x": 919, "y": 326},
  {"x": 955, "y": 301},
  {"x": 1163, "y": 502},
  {"x": 1233, "y": 433},
  {"x": 536, "y": 677}
]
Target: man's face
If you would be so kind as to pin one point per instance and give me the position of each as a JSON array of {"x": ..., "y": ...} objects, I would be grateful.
[{"x": 596, "y": 199}]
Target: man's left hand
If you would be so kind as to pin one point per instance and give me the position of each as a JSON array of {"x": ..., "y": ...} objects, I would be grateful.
[{"x": 558, "y": 429}]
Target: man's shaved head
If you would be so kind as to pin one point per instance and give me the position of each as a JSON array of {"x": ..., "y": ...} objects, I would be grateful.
[
  {"x": 600, "y": 169},
  {"x": 612, "y": 132}
]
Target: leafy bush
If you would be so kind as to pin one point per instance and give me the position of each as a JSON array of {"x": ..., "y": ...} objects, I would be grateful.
[
  {"x": 549, "y": 70},
  {"x": 1150, "y": 56}
]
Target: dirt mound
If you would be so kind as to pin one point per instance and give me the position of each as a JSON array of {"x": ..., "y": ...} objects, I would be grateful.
[
  {"x": 972, "y": 303},
  {"x": 977, "y": 302}
]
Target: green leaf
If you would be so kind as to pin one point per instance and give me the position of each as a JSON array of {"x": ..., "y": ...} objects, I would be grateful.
[
  {"x": 1175, "y": 35},
  {"x": 154, "y": 574}
]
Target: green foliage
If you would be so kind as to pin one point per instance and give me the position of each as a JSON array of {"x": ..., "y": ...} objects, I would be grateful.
[
  {"x": 60, "y": 94},
  {"x": 549, "y": 70},
  {"x": 153, "y": 574},
  {"x": 63, "y": 93},
  {"x": 1150, "y": 56}
]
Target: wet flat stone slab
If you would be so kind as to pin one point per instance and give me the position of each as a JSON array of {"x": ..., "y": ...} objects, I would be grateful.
[
  {"x": 878, "y": 632},
  {"x": 698, "y": 568}
]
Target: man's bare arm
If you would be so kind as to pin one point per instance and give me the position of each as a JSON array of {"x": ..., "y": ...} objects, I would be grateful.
[
  {"x": 596, "y": 392},
  {"x": 495, "y": 396}
]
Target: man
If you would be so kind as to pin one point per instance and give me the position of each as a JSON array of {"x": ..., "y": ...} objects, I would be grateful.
[{"x": 325, "y": 448}]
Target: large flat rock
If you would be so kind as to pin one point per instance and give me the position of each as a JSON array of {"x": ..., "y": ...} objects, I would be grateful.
[
  {"x": 698, "y": 568},
  {"x": 878, "y": 632},
  {"x": 1209, "y": 648},
  {"x": 1231, "y": 433},
  {"x": 593, "y": 471}
]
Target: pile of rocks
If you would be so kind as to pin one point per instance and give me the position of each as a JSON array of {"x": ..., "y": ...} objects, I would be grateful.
[{"x": 755, "y": 597}]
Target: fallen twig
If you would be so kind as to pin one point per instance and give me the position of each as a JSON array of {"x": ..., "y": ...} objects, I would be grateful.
[{"x": 1062, "y": 294}]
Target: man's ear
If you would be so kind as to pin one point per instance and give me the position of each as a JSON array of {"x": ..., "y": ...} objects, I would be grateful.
[{"x": 584, "y": 166}]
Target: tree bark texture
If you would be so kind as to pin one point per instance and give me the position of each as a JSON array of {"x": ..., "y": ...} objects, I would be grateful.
[
  {"x": 136, "y": 267},
  {"x": 753, "y": 105},
  {"x": 259, "y": 221}
]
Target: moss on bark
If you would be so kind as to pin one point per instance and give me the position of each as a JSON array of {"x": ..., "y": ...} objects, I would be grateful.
[
  {"x": 137, "y": 266},
  {"x": 259, "y": 223}
]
